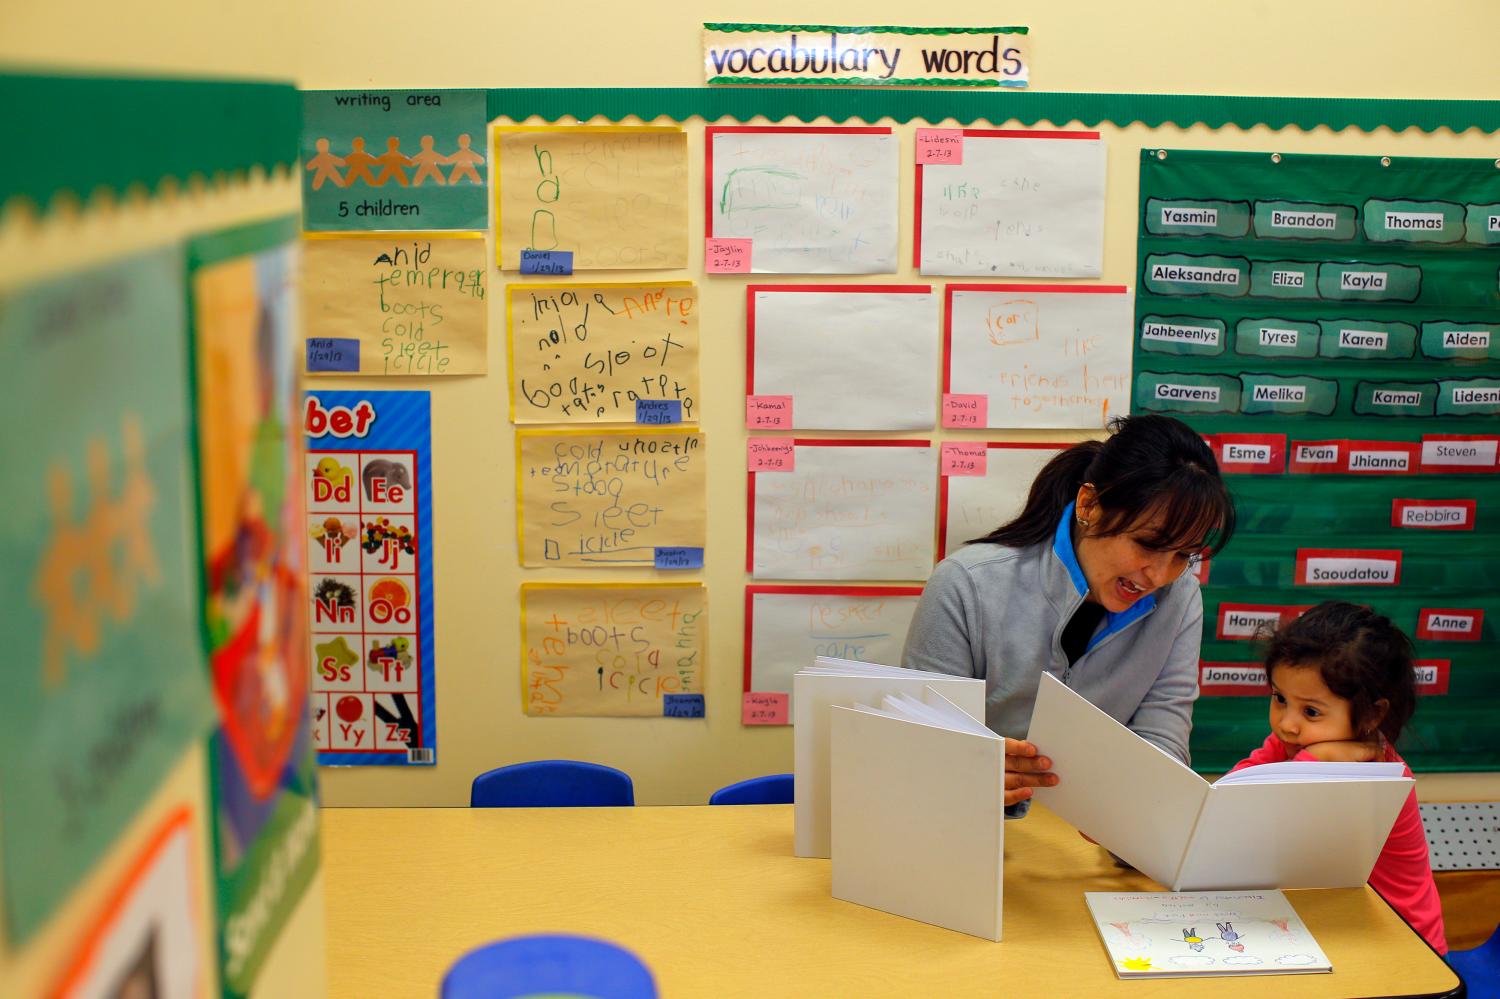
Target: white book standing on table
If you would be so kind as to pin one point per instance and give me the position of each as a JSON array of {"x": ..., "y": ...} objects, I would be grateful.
[
  {"x": 918, "y": 812},
  {"x": 1278, "y": 825},
  {"x": 845, "y": 683}
]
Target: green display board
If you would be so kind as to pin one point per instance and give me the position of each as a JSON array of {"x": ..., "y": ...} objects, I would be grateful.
[{"x": 1332, "y": 325}]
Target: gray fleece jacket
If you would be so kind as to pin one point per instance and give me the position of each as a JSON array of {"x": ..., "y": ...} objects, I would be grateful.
[{"x": 998, "y": 613}]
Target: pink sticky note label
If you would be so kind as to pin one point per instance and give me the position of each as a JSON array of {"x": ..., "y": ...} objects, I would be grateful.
[
  {"x": 940, "y": 145},
  {"x": 771, "y": 454},
  {"x": 768, "y": 412},
  {"x": 965, "y": 410},
  {"x": 726, "y": 255},
  {"x": 764, "y": 708},
  {"x": 965, "y": 457}
]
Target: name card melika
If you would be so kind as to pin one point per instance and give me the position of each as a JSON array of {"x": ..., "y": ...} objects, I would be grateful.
[{"x": 882, "y": 55}]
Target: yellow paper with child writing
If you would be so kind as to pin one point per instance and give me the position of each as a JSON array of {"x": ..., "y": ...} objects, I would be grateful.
[
  {"x": 612, "y": 196},
  {"x": 611, "y": 498},
  {"x": 613, "y": 649},
  {"x": 395, "y": 304},
  {"x": 595, "y": 353}
]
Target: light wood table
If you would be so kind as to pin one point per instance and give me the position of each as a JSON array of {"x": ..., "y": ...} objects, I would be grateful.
[{"x": 713, "y": 901}]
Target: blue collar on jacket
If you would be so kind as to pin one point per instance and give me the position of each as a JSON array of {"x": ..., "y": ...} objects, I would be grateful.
[{"x": 1062, "y": 547}]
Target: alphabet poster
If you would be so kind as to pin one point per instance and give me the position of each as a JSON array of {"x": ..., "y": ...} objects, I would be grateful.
[
  {"x": 591, "y": 197},
  {"x": 105, "y": 676},
  {"x": 1039, "y": 355},
  {"x": 604, "y": 353},
  {"x": 368, "y": 481},
  {"x": 395, "y": 304},
  {"x": 616, "y": 649},
  {"x": 811, "y": 200},
  {"x": 394, "y": 159},
  {"x": 1013, "y": 203},
  {"x": 849, "y": 509},
  {"x": 848, "y": 357},
  {"x": 978, "y": 497},
  {"x": 625, "y": 498}
]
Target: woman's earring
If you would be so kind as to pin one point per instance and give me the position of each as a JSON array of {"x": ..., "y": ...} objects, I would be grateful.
[{"x": 1082, "y": 522}]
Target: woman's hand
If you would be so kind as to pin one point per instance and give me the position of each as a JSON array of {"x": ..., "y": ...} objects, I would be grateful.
[
  {"x": 1344, "y": 751},
  {"x": 1024, "y": 770}
]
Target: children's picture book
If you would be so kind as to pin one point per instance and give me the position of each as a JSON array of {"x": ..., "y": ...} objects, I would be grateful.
[
  {"x": 844, "y": 682},
  {"x": 1278, "y": 825},
  {"x": 1203, "y": 933},
  {"x": 919, "y": 770}
]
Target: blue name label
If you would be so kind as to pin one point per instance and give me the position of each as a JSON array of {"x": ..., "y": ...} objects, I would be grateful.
[
  {"x": 658, "y": 411},
  {"x": 331, "y": 354},
  {"x": 679, "y": 558},
  {"x": 546, "y": 261},
  {"x": 682, "y": 705}
]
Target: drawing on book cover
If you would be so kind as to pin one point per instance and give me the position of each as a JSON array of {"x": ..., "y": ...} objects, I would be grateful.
[{"x": 1213, "y": 933}]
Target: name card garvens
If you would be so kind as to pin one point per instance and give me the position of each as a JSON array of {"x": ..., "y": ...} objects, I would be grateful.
[
  {"x": 1450, "y": 624},
  {"x": 1348, "y": 567},
  {"x": 1434, "y": 514}
]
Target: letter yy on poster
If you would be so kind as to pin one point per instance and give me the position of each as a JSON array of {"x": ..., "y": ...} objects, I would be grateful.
[
  {"x": 603, "y": 353},
  {"x": 383, "y": 304},
  {"x": 368, "y": 482},
  {"x": 393, "y": 159},
  {"x": 591, "y": 197},
  {"x": 104, "y": 668},
  {"x": 254, "y": 542},
  {"x": 622, "y": 498},
  {"x": 616, "y": 649}
]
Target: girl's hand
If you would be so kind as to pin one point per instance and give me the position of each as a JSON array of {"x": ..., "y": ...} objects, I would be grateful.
[
  {"x": 1344, "y": 752},
  {"x": 1024, "y": 770}
]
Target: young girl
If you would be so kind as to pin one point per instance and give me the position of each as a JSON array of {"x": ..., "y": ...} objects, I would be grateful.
[{"x": 1342, "y": 687}]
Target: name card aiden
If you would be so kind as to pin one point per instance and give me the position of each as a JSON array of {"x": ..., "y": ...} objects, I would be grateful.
[
  {"x": 1457, "y": 454},
  {"x": 1434, "y": 514},
  {"x": 1450, "y": 624},
  {"x": 1263, "y": 454},
  {"x": 1250, "y": 622},
  {"x": 1348, "y": 567},
  {"x": 1233, "y": 680}
]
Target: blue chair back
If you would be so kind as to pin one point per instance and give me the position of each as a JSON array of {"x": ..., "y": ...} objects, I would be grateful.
[
  {"x": 1479, "y": 967},
  {"x": 552, "y": 784},
  {"x": 775, "y": 789},
  {"x": 557, "y": 965}
]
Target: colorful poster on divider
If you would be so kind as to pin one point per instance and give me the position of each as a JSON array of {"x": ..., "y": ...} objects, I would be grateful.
[
  {"x": 611, "y": 498},
  {"x": 973, "y": 501},
  {"x": 252, "y": 509},
  {"x": 383, "y": 304},
  {"x": 393, "y": 159},
  {"x": 368, "y": 482},
  {"x": 603, "y": 353},
  {"x": 591, "y": 197},
  {"x": 105, "y": 680},
  {"x": 614, "y": 649}
]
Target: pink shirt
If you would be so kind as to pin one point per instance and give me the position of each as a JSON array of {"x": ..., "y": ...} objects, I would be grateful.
[{"x": 1403, "y": 873}]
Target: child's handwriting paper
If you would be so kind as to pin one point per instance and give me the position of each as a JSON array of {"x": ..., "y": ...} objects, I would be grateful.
[
  {"x": 851, "y": 357},
  {"x": 607, "y": 498},
  {"x": 1020, "y": 204},
  {"x": 974, "y": 505},
  {"x": 654, "y": 665},
  {"x": 811, "y": 200},
  {"x": 612, "y": 196},
  {"x": 593, "y": 353},
  {"x": 395, "y": 303},
  {"x": 787, "y": 627},
  {"x": 861, "y": 509},
  {"x": 1044, "y": 355}
]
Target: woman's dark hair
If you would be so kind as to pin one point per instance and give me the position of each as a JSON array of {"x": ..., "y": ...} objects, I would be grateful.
[
  {"x": 1362, "y": 657},
  {"x": 1148, "y": 464}
]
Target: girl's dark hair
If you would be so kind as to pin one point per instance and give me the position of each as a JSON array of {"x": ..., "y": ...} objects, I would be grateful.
[
  {"x": 1149, "y": 463},
  {"x": 1362, "y": 657}
]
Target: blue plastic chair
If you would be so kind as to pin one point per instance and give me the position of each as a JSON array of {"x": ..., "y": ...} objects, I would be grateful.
[
  {"x": 1479, "y": 967},
  {"x": 775, "y": 789},
  {"x": 552, "y": 784},
  {"x": 555, "y": 965}
]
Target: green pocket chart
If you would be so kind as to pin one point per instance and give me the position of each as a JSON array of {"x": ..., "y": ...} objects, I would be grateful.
[{"x": 1331, "y": 325}]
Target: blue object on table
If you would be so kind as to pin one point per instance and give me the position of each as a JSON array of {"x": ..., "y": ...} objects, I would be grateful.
[
  {"x": 1479, "y": 967},
  {"x": 552, "y": 784},
  {"x": 775, "y": 789},
  {"x": 557, "y": 965}
]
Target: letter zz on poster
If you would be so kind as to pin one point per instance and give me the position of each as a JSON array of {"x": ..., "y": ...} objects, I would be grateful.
[{"x": 368, "y": 480}]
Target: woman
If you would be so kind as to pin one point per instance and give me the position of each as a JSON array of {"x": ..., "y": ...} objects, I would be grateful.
[{"x": 1091, "y": 583}]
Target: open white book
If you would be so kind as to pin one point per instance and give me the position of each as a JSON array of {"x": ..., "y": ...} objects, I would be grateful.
[
  {"x": 1280, "y": 825},
  {"x": 830, "y": 682},
  {"x": 918, "y": 812},
  {"x": 1163, "y": 935}
]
